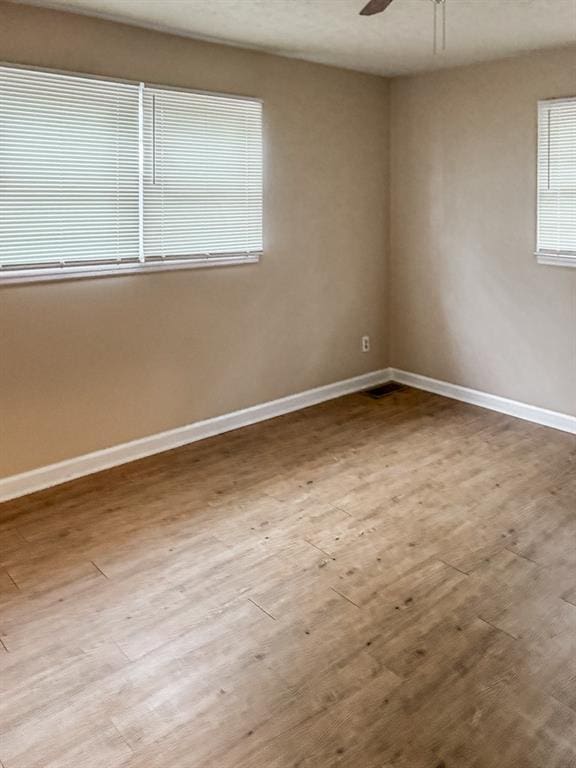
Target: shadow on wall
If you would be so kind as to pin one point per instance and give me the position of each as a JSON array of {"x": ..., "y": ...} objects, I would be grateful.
[{"x": 470, "y": 305}]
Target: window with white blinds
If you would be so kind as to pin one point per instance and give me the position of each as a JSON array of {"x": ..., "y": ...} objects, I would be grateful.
[
  {"x": 202, "y": 175},
  {"x": 68, "y": 170},
  {"x": 98, "y": 176},
  {"x": 557, "y": 181}
]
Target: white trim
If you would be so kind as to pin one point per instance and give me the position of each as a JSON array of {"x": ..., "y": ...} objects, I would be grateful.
[
  {"x": 524, "y": 411},
  {"x": 556, "y": 259},
  {"x": 54, "y": 474},
  {"x": 46, "y": 274}
]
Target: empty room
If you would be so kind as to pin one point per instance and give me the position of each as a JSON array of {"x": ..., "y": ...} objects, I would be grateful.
[{"x": 288, "y": 383}]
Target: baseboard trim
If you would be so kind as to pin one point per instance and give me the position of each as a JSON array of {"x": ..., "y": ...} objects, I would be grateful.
[
  {"x": 55, "y": 474},
  {"x": 64, "y": 471},
  {"x": 554, "y": 419}
]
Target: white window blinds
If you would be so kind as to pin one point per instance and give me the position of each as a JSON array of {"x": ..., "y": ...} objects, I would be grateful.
[
  {"x": 202, "y": 175},
  {"x": 557, "y": 178},
  {"x": 68, "y": 170},
  {"x": 101, "y": 175}
]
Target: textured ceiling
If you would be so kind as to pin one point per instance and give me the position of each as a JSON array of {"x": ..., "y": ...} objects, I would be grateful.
[{"x": 398, "y": 41}]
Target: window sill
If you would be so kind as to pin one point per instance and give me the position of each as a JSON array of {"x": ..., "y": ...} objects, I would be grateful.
[
  {"x": 49, "y": 274},
  {"x": 556, "y": 259}
]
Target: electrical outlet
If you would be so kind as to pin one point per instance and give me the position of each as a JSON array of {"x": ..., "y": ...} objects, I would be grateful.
[{"x": 365, "y": 343}]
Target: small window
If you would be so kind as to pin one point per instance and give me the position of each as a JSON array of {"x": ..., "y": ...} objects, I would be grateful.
[
  {"x": 102, "y": 177},
  {"x": 557, "y": 182}
]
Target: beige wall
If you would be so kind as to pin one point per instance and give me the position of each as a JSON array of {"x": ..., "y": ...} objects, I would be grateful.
[
  {"x": 88, "y": 364},
  {"x": 468, "y": 302}
]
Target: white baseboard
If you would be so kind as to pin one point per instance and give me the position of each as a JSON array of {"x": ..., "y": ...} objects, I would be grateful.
[
  {"x": 54, "y": 474},
  {"x": 532, "y": 413}
]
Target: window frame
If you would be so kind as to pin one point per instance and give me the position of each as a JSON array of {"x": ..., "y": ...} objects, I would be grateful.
[
  {"x": 544, "y": 256},
  {"x": 77, "y": 271}
]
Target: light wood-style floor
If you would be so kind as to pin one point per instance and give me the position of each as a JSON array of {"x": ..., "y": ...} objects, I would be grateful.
[{"x": 364, "y": 584}]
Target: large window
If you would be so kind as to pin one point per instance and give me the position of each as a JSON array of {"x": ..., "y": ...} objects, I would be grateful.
[
  {"x": 557, "y": 182},
  {"x": 104, "y": 177}
]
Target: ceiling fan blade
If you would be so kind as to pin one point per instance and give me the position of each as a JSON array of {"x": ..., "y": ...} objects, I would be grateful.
[{"x": 375, "y": 6}]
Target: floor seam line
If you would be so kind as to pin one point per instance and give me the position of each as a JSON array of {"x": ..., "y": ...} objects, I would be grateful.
[
  {"x": 261, "y": 609},
  {"x": 524, "y": 557},
  {"x": 449, "y": 565},
  {"x": 345, "y": 598},
  {"x": 100, "y": 570},
  {"x": 498, "y": 629},
  {"x": 319, "y": 549},
  {"x": 12, "y": 579}
]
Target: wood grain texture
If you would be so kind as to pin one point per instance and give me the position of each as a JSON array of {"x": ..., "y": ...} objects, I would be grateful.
[{"x": 363, "y": 584}]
